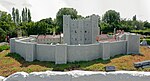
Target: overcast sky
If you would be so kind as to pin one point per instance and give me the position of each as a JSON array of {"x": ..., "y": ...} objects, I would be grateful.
[{"x": 48, "y": 8}]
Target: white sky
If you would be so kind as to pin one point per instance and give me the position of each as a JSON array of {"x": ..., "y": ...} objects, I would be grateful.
[{"x": 48, "y": 8}]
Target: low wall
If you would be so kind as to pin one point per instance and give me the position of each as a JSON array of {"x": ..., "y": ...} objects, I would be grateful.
[
  {"x": 83, "y": 52},
  {"x": 118, "y": 47},
  {"x": 20, "y": 48},
  {"x": 45, "y": 52},
  {"x": 133, "y": 44},
  {"x": 26, "y": 49},
  {"x": 79, "y": 76}
]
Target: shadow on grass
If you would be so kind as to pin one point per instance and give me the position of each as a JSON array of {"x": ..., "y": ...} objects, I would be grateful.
[
  {"x": 24, "y": 63},
  {"x": 117, "y": 56},
  {"x": 61, "y": 67}
]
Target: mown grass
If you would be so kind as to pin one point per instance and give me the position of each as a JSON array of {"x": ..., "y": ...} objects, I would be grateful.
[{"x": 11, "y": 63}]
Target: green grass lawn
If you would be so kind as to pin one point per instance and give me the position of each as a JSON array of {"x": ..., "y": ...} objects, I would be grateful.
[{"x": 11, "y": 63}]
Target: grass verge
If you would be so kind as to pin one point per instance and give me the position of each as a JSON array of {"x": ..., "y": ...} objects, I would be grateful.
[{"x": 12, "y": 62}]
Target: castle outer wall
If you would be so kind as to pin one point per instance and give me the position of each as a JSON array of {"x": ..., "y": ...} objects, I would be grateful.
[{"x": 63, "y": 53}]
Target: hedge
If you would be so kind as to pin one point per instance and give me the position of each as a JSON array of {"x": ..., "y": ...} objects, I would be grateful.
[{"x": 143, "y": 32}]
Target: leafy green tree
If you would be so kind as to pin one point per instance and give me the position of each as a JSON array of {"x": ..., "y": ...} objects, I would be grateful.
[
  {"x": 139, "y": 25},
  {"x": 80, "y": 16},
  {"x": 23, "y": 15},
  {"x": 48, "y": 22},
  {"x": 7, "y": 26},
  {"x": 29, "y": 15},
  {"x": 2, "y": 35},
  {"x": 26, "y": 15},
  {"x": 65, "y": 11},
  {"x": 20, "y": 19},
  {"x": 134, "y": 18},
  {"x": 13, "y": 14},
  {"x": 104, "y": 27},
  {"x": 5, "y": 17},
  {"x": 112, "y": 18},
  {"x": 126, "y": 25},
  {"x": 146, "y": 24},
  {"x": 17, "y": 16}
]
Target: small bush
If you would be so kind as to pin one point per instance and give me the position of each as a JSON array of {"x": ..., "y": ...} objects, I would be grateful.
[{"x": 4, "y": 47}]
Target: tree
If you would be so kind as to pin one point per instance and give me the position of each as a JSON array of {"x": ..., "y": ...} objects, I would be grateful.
[
  {"x": 26, "y": 15},
  {"x": 13, "y": 14},
  {"x": 29, "y": 15},
  {"x": 134, "y": 18},
  {"x": 48, "y": 22},
  {"x": 23, "y": 15},
  {"x": 112, "y": 18},
  {"x": 2, "y": 35},
  {"x": 65, "y": 11},
  {"x": 126, "y": 25},
  {"x": 7, "y": 26},
  {"x": 139, "y": 25},
  {"x": 17, "y": 16},
  {"x": 20, "y": 19},
  {"x": 146, "y": 24}
]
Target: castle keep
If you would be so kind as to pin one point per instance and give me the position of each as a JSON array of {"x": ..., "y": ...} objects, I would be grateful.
[{"x": 80, "y": 31}]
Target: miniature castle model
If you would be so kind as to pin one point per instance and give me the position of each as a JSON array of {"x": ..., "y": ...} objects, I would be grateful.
[
  {"x": 80, "y": 43},
  {"x": 80, "y": 31}
]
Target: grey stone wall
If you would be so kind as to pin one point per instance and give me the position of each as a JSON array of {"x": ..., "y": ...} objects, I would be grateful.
[
  {"x": 118, "y": 47},
  {"x": 83, "y": 52},
  {"x": 30, "y": 51},
  {"x": 20, "y": 48},
  {"x": 45, "y": 52},
  {"x": 105, "y": 50},
  {"x": 12, "y": 45},
  {"x": 61, "y": 54},
  {"x": 25, "y": 49},
  {"x": 133, "y": 44}
]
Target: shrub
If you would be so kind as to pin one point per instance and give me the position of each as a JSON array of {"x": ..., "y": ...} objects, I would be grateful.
[{"x": 4, "y": 47}]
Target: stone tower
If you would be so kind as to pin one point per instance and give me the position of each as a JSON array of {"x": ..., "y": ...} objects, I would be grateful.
[
  {"x": 66, "y": 28},
  {"x": 80, "y": 31},
  {"x": 95, "y": 28}
]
